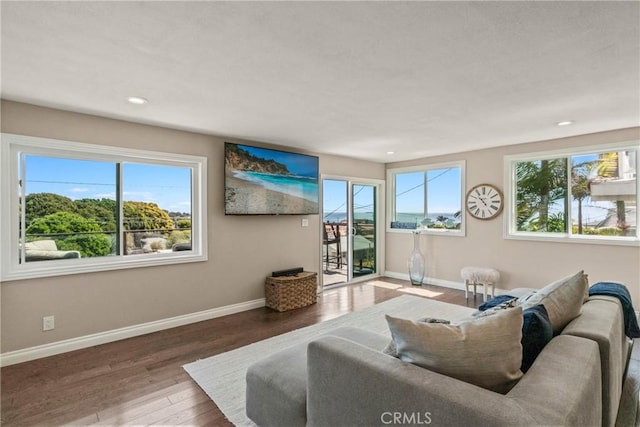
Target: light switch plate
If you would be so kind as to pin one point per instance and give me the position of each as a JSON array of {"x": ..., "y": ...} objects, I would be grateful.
[{"x": 48, "y": 323}]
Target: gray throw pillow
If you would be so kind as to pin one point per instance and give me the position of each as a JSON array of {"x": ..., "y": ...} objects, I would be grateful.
[
  {"x": 391, "y": 349},
  {"x": 563, "y": 299},
  {"x": 486, "y": 352}
]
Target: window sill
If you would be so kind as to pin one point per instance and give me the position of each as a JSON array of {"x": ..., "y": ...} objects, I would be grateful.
[
  {"x": 576, "y": 239},
  {"x": 39, "y": 269},
  {"x": 431, "y": 232}
]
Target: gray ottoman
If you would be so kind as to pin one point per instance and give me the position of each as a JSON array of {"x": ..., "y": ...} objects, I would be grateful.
[{"x": 277, "y": 384}]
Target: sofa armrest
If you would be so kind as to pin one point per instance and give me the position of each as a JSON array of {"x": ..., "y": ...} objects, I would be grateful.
[
  {"x": 349, "y": 384},
  {"x": 564, "y": 385},
  {"x": 602, "y": 321}
]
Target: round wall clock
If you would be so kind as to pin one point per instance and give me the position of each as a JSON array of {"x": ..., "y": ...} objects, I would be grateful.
[{"x": 484, "y": 201}]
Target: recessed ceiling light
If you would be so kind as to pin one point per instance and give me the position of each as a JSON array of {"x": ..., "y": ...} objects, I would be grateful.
[
  {"x": 564, "y": 123},
  {"x": 391, "y": 152},
  {"x": 137, "y": 100}
]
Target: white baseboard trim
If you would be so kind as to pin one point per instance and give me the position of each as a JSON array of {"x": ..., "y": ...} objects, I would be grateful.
[
  {"x": 430, "y": 280},
  {"x": 45, "y": 350},
  {"x": 439, "y": 282}
]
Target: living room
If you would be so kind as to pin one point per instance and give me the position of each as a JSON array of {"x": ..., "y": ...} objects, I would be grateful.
[{"x": 75, "y": 97}]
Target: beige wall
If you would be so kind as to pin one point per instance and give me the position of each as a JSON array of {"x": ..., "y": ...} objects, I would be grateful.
[
  {"x": 242, "y": 250},
  {"x": 521, "y": 263}
]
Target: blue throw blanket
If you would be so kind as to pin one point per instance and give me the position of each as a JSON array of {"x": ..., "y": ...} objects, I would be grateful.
[
  {"x": 495, "y": 301},
  {"x": 622, "y": 293}
]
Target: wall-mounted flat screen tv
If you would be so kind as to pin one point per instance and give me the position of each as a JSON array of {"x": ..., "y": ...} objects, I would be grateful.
[{"x": 261, "y": 181}]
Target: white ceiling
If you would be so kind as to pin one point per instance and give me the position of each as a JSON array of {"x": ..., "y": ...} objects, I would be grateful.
[{"x": 356, "y": 79}]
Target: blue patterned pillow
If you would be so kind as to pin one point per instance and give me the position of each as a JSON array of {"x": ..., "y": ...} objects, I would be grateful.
[
  {"x": 495, "y": 301},
  {"x": 536, "y": 333},
  {"x": 495, "y": 305}
]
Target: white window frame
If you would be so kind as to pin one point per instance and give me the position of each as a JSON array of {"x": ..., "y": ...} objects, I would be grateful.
[
  {"x": 510, "y": 226},
  {"x": 12, "y": 145},
  {"x": 391, "y": 200}
]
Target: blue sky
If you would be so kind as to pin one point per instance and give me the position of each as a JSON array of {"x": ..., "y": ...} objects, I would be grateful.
[
  {"x": 443, "y": 191},
  {"x": 334, "y": 195},
  {"x": 335, "y": 198},
  {"x": 442, "y": 198},
  {"x": 298, "y": 164},
  {"x": 168, "y": 186}
]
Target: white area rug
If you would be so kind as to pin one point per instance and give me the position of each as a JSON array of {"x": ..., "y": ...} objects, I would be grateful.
[{"x": 222, "y": 376}]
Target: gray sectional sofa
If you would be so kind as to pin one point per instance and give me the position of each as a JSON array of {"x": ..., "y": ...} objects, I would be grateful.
[{"x": 344, "y": 379}]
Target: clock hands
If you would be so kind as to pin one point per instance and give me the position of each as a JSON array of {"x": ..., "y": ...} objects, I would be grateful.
[
  {"x": 481, "y": 199},
  {"x": 484, "y": 201}
]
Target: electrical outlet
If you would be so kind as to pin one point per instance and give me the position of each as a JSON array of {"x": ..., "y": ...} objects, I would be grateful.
[
  {"x": 305, "y": 222},
  {"x": 48, "y": 323}
]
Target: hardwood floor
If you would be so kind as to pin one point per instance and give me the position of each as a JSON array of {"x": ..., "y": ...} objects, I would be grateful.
[{"x": 140, "y": 381}]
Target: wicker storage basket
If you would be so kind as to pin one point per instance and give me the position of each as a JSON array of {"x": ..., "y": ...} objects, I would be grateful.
[{"x": 289, "y": 292}]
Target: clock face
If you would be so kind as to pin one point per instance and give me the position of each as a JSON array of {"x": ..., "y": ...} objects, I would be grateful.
[{"x": 484, "y": 201}]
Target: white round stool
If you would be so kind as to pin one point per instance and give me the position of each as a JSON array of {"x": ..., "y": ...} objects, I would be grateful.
[{"x": 487, "y": 277}]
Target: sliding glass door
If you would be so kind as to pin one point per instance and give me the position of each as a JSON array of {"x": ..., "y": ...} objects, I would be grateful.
[
  {"x": 349, "y": 230},
  {"x": 363, "y": 230},
  {"x": 335, "y": 232}
]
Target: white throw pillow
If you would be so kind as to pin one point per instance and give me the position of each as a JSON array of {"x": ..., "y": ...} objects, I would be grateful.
[{"x": 485, "y": 351}]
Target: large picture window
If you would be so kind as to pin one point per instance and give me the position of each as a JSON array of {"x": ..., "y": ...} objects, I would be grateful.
[
  {"x": 589, "y": 194},
  {"x": 427, "y": 197},
  {"x": 70, "y": 207}
]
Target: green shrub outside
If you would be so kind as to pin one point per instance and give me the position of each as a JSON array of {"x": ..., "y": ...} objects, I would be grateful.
[
  {"x": 89, "y": 245},
  {"x": 183, "y": 223},
  {"x": 89, "y": 225},
  {"x": 178, "y": 236},
  {"x": 603, "y": 231},
  {"x": 60, "y": 223},
  {"x": 67, "y": 229}
]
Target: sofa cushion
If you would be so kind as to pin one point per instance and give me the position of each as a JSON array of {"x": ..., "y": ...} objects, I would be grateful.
[
  {"x": 41, "y": 245},
  {"x": 563, "y": 299},
  {"x": 485, "y": 352},
  {"x": 276, "y": 393},
  {"x": 536, "y": 334}
]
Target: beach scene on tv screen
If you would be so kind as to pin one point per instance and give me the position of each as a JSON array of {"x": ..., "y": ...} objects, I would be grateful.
[{"x": 263, "y": 181}]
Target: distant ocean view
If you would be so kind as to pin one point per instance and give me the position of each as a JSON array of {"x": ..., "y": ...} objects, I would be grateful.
[
  {"x": 401, "y": 217},
  {"x": 298, "y": 186}
]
